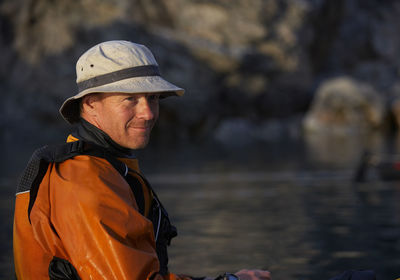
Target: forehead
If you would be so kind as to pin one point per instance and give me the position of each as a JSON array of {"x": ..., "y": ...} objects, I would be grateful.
[{"x": 122, "y": 94}]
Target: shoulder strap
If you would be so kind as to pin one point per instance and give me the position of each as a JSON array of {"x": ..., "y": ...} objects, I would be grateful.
[{"x": 42, "y": 157}]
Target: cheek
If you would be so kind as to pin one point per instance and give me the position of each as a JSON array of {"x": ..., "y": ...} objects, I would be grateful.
[
  {"x": 123, "y": 114},
  {"x": 116, "y": 120}
]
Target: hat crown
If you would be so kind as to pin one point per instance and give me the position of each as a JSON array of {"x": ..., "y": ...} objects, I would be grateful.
[{"x": 112, "y": 56}]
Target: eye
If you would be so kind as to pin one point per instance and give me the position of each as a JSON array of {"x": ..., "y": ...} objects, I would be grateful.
[
  {"x": 153, "y": 97},
  {"x": 131, "y": 98}
]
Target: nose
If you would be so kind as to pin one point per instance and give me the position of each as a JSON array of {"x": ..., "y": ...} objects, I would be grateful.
[{"x": 145, "y": 110}]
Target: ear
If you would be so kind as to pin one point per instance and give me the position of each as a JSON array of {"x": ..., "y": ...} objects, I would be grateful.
[
  {"x": 90, "y": 107},
  {"x": 89, "y": 103}
]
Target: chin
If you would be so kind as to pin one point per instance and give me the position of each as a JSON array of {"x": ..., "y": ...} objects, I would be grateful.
[{"x": 137, "y": 145}]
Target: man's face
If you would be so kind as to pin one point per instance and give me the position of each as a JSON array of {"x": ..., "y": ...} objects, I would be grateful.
[{"x": 126, "y": 118}]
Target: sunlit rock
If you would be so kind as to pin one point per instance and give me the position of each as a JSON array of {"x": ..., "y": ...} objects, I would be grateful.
[{"x": 344, "y": 106}]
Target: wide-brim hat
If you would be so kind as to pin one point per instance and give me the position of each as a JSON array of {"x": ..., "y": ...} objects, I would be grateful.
[{"x": 116, "y": 66}]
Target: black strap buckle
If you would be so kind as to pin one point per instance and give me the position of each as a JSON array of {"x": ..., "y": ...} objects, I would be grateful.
[{"x": 77, "y": 147}]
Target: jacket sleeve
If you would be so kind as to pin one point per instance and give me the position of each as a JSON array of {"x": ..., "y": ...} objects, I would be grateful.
[{"x": 93, "y": 216}]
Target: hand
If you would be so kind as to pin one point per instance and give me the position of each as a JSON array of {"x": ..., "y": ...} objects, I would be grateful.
[{"x": 254, "y": 274}]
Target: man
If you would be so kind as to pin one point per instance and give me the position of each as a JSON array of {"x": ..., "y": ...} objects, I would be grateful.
[{"x": 83, "y": 209}]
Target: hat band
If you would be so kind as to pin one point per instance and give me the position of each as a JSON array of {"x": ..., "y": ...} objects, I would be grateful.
[{"x": 137, "y": 71}]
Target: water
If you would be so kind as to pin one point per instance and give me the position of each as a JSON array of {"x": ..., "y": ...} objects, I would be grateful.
[
  {"x": 275, "y": 208},
  {"x": 298, "y": 227}
]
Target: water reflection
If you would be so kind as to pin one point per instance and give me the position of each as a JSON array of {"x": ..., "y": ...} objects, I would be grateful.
[
  {"x": 303, "y": 228},
  {"x": 287, "y": 207},
  {"x": 294, "y": 211},
  {"x": 343, "y": 150}
]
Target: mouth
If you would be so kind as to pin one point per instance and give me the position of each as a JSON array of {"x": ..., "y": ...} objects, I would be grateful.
[{"x": 141, "y": 128}]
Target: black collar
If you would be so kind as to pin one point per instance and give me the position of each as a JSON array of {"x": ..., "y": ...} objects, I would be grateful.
[{"x": 90, "y": 133}]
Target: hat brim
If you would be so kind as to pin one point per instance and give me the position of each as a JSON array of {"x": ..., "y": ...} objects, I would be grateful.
[{"x": 70, "y": 111}]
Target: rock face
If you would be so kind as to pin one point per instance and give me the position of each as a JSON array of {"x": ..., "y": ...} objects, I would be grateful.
[
  {"x": 343, "y": 105},
  {"x": 254, "y": 60}
]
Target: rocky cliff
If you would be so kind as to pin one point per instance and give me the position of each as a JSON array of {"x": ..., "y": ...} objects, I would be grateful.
[{"x": 249, "y": 60}]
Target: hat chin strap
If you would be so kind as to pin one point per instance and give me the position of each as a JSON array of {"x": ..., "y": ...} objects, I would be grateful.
[{"x": 137, "y": 71}]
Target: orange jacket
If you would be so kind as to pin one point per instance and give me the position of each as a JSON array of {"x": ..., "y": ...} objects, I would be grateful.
[{"x": 85, "y": 213}]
